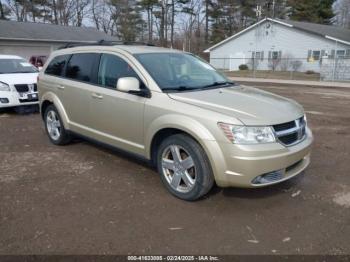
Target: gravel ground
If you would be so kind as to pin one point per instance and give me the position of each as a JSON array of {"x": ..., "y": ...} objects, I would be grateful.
[{"x": 85, "y": 199}]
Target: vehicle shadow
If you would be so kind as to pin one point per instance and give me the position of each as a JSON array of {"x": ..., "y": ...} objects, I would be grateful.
[{"x": 108, "y": 149}]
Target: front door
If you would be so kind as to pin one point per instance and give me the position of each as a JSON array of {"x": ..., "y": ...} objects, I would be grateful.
[{"x": 117, "y": 117}]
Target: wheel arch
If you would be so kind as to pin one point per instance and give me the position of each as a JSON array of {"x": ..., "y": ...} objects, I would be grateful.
[
  {"x": 168, "y": 125},
  {"x": 51, "y": 99}
]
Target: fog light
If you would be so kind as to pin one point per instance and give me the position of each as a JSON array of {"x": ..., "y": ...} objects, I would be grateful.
[
  {"x": 4, "y": 100},
  {"x": 268, "y": 178}
]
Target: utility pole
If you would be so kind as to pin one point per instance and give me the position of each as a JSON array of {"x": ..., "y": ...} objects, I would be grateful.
[{"x": 258, "y": 16}]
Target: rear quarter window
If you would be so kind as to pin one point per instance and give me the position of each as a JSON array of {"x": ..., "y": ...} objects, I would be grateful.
[{"x": 57, "y": 65}]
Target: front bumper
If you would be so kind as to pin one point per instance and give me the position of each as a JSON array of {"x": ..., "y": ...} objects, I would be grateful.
[
  {"x": 242, "y": 164},
  {"x": 12, "y": 99}
]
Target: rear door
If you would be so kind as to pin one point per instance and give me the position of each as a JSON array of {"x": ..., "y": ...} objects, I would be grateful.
[
  {"x": 117, "y": 117},
  {"x": 76, "y": 87},
  {"x": 54, "y": 74}
]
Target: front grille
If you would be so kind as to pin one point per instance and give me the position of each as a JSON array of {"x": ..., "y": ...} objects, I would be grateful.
[
  {"x": 289, "y": 139},
  {"x": 292, "y": 132},
  {"x": 22, "y": 88},
  {"x": 284, "y": 126}
]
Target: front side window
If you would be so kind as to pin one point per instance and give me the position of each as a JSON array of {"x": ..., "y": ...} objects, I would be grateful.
[
  {"x": 16, "y": 66},
  {"x": 81, "y": 67},
  {"x": 57, "y": 65},
  {"x": 180, "y": 71},
  {"x": 111, "y": 69}
]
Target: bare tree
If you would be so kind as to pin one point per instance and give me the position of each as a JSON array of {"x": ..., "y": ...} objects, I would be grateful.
[
  {"x": 342, "y": 11},
  {"x": 4, "y": 11}
]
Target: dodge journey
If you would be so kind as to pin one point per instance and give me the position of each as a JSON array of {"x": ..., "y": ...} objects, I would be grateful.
[{"x": 172, "y": 108}]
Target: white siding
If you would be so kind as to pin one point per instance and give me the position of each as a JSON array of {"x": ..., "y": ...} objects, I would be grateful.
[
  {"x": 26, "y": 49},
  {"x": 289, "y": 41}
]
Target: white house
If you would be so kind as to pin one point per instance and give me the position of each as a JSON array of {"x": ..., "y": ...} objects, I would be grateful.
[
  {"x": 282, "y": 45},
  {"x": 28, "y": 39}
]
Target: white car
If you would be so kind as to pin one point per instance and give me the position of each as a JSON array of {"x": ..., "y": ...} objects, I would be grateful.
[{"x": 18, "y": 82}]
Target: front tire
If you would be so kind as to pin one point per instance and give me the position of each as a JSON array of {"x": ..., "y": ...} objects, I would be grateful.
[
  {"x": 54, "y": 127},
  {"x": 184, "y": 167}
]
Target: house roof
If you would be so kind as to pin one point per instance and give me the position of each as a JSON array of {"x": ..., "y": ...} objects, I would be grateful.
[
  {"x": 336, "y": 32},
  {"x": 330, "y": 32},
  {"x": 28, "y": 31}
]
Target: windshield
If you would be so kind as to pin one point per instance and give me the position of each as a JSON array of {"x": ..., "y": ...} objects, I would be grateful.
[
  {"x": 16, "y": 66},
  {"x": 181, "y": 71}
]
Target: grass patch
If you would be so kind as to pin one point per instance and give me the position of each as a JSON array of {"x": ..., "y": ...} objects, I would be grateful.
[{"x": 268, "y": 74}]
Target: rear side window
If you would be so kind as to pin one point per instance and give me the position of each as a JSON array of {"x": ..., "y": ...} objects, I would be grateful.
[
  {"x": 111, "y": 69},
  {"x": 57, "y": 65},
  {"x": 82, "y": 67}
]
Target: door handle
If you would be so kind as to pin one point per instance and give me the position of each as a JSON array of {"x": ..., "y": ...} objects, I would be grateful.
[
  {"x": 60, "y": 87},
  {"x": 98, "y": 96}
]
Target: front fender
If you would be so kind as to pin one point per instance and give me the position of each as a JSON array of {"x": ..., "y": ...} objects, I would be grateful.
[
  {"x": 192, "y": 127},
  {"x": 51, "y": 97}
]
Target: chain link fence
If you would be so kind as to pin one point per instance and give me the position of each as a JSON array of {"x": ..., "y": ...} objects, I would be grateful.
[{"x": 289, "y": 68}]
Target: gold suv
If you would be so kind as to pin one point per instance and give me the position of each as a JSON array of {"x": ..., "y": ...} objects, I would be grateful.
[{"x": 174, "y": 109}]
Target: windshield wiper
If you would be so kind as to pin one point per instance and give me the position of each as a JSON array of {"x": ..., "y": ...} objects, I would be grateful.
[
  {"x": 218, "y": 84},
  {"x": 179, "y": 88}
]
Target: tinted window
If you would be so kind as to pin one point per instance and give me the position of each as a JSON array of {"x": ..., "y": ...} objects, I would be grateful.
[
  {"x": 111, "y": 69},
  {"x": 57, "y": 65},
  {"x": 81, "y": 67}
]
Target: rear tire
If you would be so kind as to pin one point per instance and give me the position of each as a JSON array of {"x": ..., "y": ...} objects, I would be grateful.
[
  {"x": 184, "y": 167},
  {"x": 54, "y": 127}
]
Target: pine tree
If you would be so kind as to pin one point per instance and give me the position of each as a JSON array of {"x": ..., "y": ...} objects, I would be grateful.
[
  {"x": 128, "y": 19},
  {"x": 315, "y": 11}
]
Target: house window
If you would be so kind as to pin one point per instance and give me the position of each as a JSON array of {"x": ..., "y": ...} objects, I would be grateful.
[
  {"x": 340, "y": 53},
  {"x": 313, "y": 55},
  {"x": 258, "y": 55},
  {"x": 347, "y": 55},
  {"x": 275, "y": 55}
]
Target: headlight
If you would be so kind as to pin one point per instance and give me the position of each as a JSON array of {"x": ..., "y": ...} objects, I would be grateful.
[
  {"x": 4, "y": 87},
  {"x": 248, "y": 134}
]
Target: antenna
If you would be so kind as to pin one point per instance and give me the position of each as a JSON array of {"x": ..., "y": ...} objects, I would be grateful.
[
  {"x": 258, "y": 11},
  {"x": 273, "y": 8}
]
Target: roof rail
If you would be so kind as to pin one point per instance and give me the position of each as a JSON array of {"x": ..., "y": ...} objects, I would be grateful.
[{"x": 104, "y": 43}]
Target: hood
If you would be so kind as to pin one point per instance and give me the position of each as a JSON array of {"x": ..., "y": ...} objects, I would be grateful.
[
  {"x": 17, "y": 79},
  {"x": 250, "y": 105}
]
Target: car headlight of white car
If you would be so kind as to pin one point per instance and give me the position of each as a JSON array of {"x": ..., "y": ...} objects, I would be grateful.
[
  {"x": 247, "y": 135},
  {"x": 4, "y": 87}
]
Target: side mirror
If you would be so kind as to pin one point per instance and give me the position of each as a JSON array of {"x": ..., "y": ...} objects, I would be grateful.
[
  {"x": 127, "y": 84},
  {"x": 131, "y": 85}
]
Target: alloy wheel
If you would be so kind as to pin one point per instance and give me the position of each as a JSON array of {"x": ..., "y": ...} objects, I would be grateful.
[
  {"x": 178, "y": 168},
  {"x": 53, "y": 125}
]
